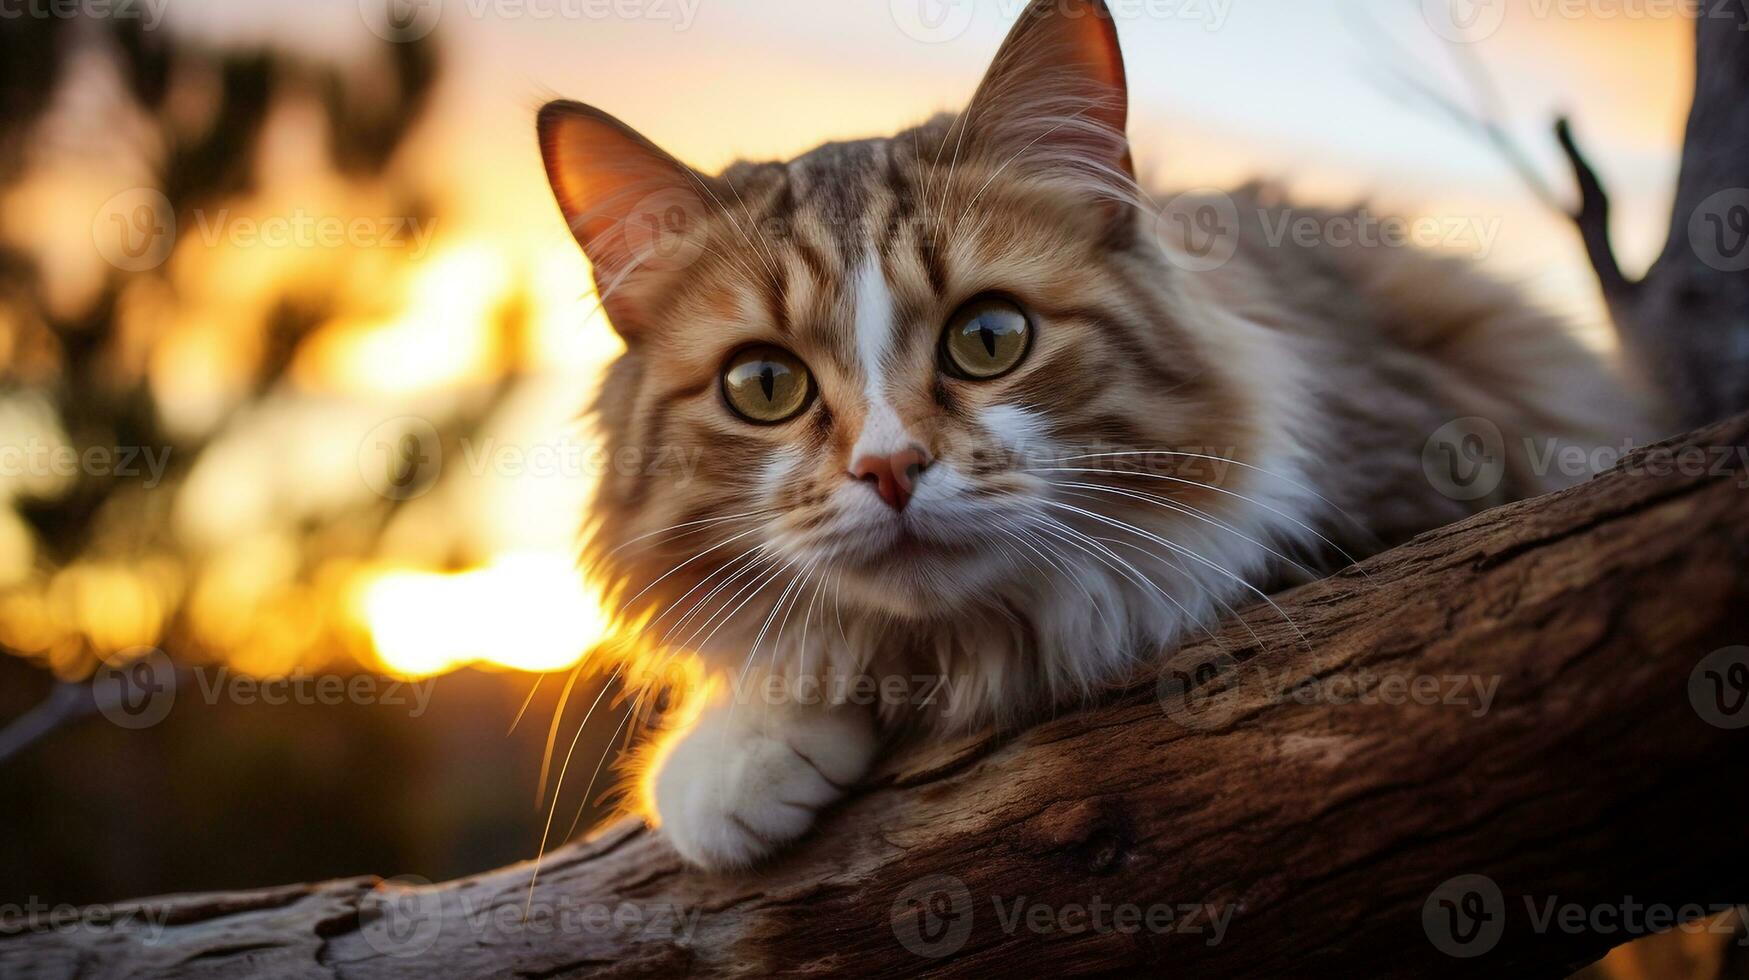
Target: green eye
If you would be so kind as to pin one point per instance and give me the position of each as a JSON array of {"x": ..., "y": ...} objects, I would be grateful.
[
  {"x": 766, "y": 384},
  {"x": 987, "y": 338}
]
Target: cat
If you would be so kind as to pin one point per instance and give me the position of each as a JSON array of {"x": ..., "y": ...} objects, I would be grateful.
[{"x": 977, "y": 431}]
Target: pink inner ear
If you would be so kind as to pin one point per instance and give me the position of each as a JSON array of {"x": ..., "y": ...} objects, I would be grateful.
[
  {"x": 1092, "y": 48},
  {"x": 630, "y": 205},
  {"x": 602, "y": 172},
  {"x": 1056, "y": 90}
]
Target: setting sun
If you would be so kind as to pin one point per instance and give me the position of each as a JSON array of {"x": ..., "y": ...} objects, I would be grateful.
[
  {"x": 528, "y": 611},
  {"x": 901, "y": 488}
]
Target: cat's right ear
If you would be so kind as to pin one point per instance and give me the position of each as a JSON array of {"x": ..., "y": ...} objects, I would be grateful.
[
  {"x": 633, "y": 207},
  {"x": 1055, "y": 101}
]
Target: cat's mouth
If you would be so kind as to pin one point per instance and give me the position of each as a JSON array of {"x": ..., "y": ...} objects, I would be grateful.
[
  {"x": 906, "y": 553},
  {"x": 902, "y": 547},
  {"x": 907, "y": 545},
  {"x": 911, "y": 572}
]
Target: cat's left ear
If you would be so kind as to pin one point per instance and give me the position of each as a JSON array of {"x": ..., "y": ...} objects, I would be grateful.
[
  {"x": 634, "y": 208},
  {"x": 1055, "y": 101}
]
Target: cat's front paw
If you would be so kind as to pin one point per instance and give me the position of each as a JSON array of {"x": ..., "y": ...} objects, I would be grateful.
[{"x": 743, "y": 783}]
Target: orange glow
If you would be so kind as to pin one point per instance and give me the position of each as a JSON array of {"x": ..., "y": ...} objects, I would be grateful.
[
  {"x": 405, "y": 325},
  {"x": 700, "y": 691},
  {"x": 570, "y": 330},
  {"x": 528, "y": 611},
  {"x": 441, "y": 338},
  {"x": 198, "y": 372},
  {"x": 89, "y": 610},
  {"x": 17, "y": 550}
]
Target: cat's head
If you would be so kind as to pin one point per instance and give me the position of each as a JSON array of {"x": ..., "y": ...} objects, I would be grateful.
[{"x": 880, "y": 367}]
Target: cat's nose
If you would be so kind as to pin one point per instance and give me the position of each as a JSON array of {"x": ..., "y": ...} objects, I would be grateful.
[{"x": 893, "y": 475}]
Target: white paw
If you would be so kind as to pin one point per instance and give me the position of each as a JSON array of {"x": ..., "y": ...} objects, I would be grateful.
[{"x": 744, "y": 783}]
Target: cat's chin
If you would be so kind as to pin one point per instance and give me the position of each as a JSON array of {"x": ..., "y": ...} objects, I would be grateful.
[{"x": 924, "y": 581}]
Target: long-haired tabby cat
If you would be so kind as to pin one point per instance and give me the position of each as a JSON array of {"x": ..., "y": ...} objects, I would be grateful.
[{"x": 961, "y": 411}]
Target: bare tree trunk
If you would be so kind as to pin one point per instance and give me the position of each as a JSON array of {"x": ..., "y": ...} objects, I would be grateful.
[
  {"x": 1535, "y": 711},
  {"x": 1686, "y": 323}
]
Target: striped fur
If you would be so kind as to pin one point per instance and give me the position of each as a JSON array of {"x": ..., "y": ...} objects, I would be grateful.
[{"x": 1286, "y": 396}]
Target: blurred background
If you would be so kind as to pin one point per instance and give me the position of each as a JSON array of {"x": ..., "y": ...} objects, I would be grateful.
[{"x": 293, "y": 345}]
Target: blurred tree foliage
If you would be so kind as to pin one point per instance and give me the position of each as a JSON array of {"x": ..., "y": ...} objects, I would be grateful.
[
  {"x": 277, "y": 793},
  {"x": 78, "y": 362}
]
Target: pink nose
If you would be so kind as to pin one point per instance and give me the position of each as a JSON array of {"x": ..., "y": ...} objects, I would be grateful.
[{"x": 893, "y": 475}]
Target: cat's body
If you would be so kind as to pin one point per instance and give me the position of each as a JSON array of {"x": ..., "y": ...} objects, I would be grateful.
[{"x": 891, "y": 525}]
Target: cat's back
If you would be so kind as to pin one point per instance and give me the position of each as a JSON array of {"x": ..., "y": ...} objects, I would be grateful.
[{"x": 1400, "y": 341}]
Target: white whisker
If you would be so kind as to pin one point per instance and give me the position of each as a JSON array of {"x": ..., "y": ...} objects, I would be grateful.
[
  {"x": 700, "y": 524},
  {"x": 1188, "y": 511},
  {"x": 1188, "y": 553},
  {"x": 1082, "y": 540},
  {"x": 553, "y": 810},
  {"x": 755, "y": 580},
  {"x": 1208, "y": 486},
  {"x": 1290, "y": 481}
]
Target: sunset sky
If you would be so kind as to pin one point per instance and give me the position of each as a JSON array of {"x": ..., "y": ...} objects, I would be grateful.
[{"x": 1221, "y": 90}]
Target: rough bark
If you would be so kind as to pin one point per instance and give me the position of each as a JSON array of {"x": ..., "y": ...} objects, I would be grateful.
[{"x": 1321, "y": 822}]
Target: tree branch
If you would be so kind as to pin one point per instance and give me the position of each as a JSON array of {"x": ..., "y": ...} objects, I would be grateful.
[
  {"x": 1297, "y": 811},
  {"x": 1592, "y": 217},
  {"x": 1685, "y": 324}
]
